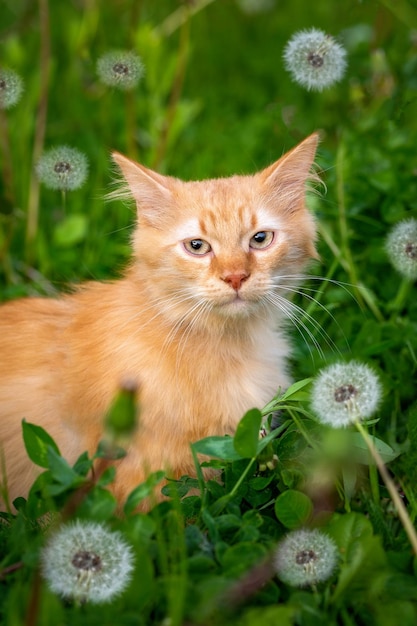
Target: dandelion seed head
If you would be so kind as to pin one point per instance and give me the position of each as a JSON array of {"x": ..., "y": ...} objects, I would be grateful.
[
  {"x": 305, "y": 557},
  {"x": 11, "y": 88},
  {"x": 62, "y": 168},
  {"x": 314, "y": 59},
  {"x": 120, "y": 68},
  {"x": 401, "y": 246},
  {"x": 85, "y": 561},
  {"x": 345, "y": 392}
]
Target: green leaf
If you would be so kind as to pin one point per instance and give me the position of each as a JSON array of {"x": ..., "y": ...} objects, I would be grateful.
[
  {"x": 98, "y": 504},
  {"x": 142, "y": 491},
  {"x": 121, "y": 418},
  {"x": 64, "y": 476},
  {"x": 293, "y": 508},
  {"x": 71, "y": 230},
  {"x": 37, "y": 441},
  {"x": 295, "y": 393},
  {"x": 362, "y": 454},
  {"x": 219, "y": 447},
  {"x": 346, "y": 528},
  {"x": 239, "y": 558},
  {"x": 246, "y": 438},
  {"x": 270, "y": 616}
]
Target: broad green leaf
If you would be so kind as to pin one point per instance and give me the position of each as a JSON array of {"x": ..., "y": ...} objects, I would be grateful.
[
  {"x": 219, "y": 447},
  {"x": 246, "y": 438},
  {"x": 36, "y": 441},
  {"x": 293, "y": 508},
  {"x": 99, "y": 504},
  {"x": 362, "y": 454},
  {"x": 64, "y": 476},
  {"x": 142, "y": 526},
  {"x": 348, "y": 527},
  {"x": 297, "y": 392},
  {"x": 240, "y": 557},
  {"x": 121, "y": 418},
  {"x": 142, "y": 491},
  {"x": 71, "y": 230}
]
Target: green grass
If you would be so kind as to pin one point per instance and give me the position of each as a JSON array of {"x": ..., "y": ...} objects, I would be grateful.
[{"x": 216, "y": 100}]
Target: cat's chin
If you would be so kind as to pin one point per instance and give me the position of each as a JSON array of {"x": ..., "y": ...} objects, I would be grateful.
[{"x": 237, "y": 307}]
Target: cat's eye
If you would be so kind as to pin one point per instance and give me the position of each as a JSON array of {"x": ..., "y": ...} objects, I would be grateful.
[
  {"x": 197, "y": 247},
  {"x": 261, "y": 240}
]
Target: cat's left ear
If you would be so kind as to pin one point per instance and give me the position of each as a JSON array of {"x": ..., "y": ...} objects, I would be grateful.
[
  {"x": 288, "y": 176},
  {"x": 150, "y": 190}
]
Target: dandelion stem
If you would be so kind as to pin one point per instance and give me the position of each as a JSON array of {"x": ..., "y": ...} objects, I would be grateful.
[
  {"x": 34, "y": 185},
  {"x": 399, "y": 505},
  {"x": 398, "y": 303}
]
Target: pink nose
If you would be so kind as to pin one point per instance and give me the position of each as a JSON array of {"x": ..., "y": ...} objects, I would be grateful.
[{"x": 235, "y": 280}]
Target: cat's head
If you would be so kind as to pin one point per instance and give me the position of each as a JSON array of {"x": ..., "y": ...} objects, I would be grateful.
[{"x": 223, "y": 246}]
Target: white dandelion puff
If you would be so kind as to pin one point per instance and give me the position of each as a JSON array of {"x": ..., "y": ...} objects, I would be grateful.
[
  {"x": 314, "y": 59},
  {"x": 120, "y": 68},
  {"x": 62, "y": 168},
  {"x": 11, "y": 88},
  {"x": 305, "y": 557},
  {"x": 401, "y": 246},
  {"x": 344, "y": 393},
  {"x": 86, "y": 562}
]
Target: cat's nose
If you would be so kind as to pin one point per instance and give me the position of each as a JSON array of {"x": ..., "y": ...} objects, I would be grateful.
[{"x": 235, "y": 280}]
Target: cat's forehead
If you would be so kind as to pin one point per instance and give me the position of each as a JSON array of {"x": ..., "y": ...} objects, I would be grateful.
[{"x": 230, "y": 206}]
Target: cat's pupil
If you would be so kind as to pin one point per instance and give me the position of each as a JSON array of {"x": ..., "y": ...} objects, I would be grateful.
[
  {"x": 260, "y": 237},
  {"x": 196, "y": 244}
]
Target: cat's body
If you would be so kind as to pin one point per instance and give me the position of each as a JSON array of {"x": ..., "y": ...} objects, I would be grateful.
[{"x": 194, "y": 323}]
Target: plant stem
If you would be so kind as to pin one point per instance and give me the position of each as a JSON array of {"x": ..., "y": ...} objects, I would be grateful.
[
  {"x": 175, "y": 94},
  {"x": 343, "y": 225},
  {"x": 177, "y": 18},
  {"x": 45, "y": 54},
  {"x": 403, "y": 11},
  {"x": 399, "y": 505},
  {"x": 398, "y": 303}
]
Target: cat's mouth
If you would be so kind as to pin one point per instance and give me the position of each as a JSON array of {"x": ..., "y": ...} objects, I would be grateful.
[{"x": 235, "y": 304}]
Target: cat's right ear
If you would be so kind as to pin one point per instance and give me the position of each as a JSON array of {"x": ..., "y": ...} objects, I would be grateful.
[{"x": 150, "y": 190}]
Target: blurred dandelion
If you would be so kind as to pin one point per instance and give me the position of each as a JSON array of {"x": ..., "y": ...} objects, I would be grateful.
[
  {"x": 305, "y": 557},
  {"x": 120, "y": 68},
  {"x": 11, "y": 88},
  {"x": 86, "y": 562},
  {"x": 401, "y": 246},
  {"x": 344, "y": 393},
  {"x": 314, "y": 59},
  {"x": 62, "y": 168}
]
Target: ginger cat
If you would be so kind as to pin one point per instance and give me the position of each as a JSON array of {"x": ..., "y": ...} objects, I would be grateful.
[{"x": 196, "y": 321}]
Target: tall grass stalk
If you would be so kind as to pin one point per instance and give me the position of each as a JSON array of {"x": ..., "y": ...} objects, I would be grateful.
[
  {"x": 398, "y": 503},
  {"x": 40, "y": 128}
]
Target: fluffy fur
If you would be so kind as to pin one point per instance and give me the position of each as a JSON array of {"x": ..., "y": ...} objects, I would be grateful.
[{"x": 201, "y": 334}]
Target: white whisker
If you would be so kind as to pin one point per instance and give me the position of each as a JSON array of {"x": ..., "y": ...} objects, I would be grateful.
[{"x": 290, "y": 311}]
